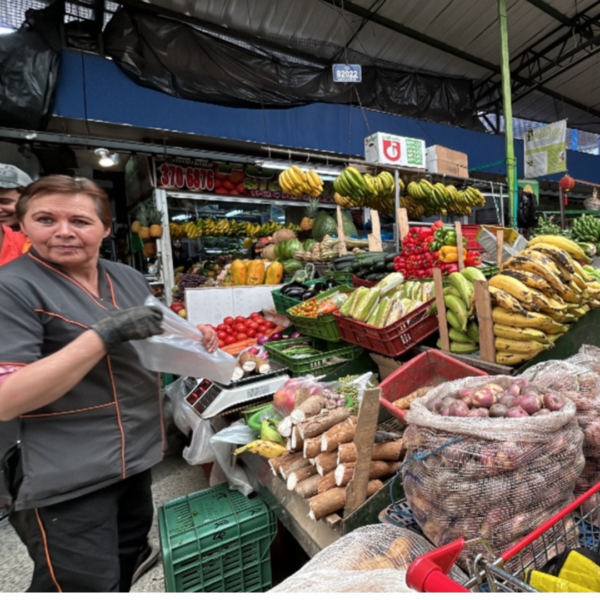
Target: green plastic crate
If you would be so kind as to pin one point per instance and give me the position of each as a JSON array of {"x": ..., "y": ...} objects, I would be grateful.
[
  {"x": 282, "y": 303},
  {"x": 217, "y": 540},
  {"x": 315, "y": 364},
  {"x": 324, "y": 328}
]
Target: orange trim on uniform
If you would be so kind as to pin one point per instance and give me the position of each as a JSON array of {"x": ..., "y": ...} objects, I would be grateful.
[
  {"x": 93, "y": 298},
  {"x": 67, "y": 412},
  {"x": 43, "y": 312},
  {"x": 114, "y": 386},
  {"x": 47, "y": 550},
  {"x": 112, "y": 292}
]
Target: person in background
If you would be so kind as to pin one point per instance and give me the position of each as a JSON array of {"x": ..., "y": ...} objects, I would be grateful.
[
  {"x": 181, "y": 258},
  {"x": 13, "y": 243}
]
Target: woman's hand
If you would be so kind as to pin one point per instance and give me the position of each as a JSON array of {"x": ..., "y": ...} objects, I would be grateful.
[{"x": 210, "y": 341}]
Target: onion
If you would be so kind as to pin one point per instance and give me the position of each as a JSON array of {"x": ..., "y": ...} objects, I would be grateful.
[
  {"x": 262, "y": 340},
  {"x": 484, "y": 398},
  {"x": 275, "y": 337},
  {"x": 514, "y": 390},
  {"x": 459, "y": 409},
  {"x": 553, "y": 403},
  {"x": 445, "y": 411},
  {"x": 516, "y": 412},
  {"x": 295, "y": 335},
  {"x": 433, "y": 405},
  {"x": 254, "y": 351},
  {"x": 529, "y": 403},
  {"x": 478, "y": 413}
]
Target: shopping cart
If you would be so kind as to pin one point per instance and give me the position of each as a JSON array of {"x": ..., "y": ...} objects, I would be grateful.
[{"x": 578, "y": 525}]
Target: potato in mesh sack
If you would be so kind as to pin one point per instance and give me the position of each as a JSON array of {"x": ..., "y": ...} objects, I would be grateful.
[
  {"x": 495, "y": 478},
  {"x": 369, "y": 559},
  {"x": 579, "y": 380}
]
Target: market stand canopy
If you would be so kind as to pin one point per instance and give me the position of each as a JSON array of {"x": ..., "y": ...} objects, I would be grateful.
[{"x": 255, "y": 53}]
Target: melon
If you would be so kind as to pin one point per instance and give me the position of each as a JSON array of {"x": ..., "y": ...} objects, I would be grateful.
[
  {"x": 269, "y": 252},
  {"x": 283, "y": 235}
]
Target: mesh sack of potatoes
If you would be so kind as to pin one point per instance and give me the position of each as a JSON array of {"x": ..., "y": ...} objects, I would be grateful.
[
  {"x": 491, "y": 478},
  {"x": 575, "y": 380},
  {"x": 369, "y": 559}
]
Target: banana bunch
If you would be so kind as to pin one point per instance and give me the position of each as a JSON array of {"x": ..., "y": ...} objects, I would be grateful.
[
  {"x": 440, "y": 199},
  {"x": 586, "y": 229},
  {"x": 177, "y": 231},
  {"x": 459, "y": 298},
  {"x": 353, "y": 190},
  {"x": 296, "y": 182},
  {"x": 538, "y": 295},
  {"x": 191, "y": 231},
  {"x": 266, "y": 448},
  {"x": 414, "y": 209}
]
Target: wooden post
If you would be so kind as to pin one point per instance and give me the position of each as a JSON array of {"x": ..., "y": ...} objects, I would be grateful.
[
  {"x": 499, "y": 247},
  {"x": 342, "y": 242},
  {"x": 459, "y": 243},
  {"x": 563, "y": 218},
  {"x": 403, "y": 223},
  {"x": 364, "y": 438},
  {"x": 375, "y": 237},
  {"x": 483, "y": 304},
  {"x": 441, "y": 307}
]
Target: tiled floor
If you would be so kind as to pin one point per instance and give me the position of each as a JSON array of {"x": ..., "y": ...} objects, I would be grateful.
[{"x": 173, "y": 478}]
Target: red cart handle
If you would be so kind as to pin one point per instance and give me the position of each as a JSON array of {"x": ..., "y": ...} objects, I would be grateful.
[
  {"x": 394, "y": 411},
  {"x": 429, "y": 573}
]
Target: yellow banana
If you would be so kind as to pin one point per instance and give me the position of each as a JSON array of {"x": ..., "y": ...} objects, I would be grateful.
[
  {"x": 510, "y": 359},
  {"x": 512, "y": 286},
  {"x": 524, "y": 334},
  {"x": 505, "y": 345},
  {"x": 531, "y": 319},
  {"x": 506, "y": 301},
  {"x": 265, "y": 448},
  {"x": 560, "y": 242}
]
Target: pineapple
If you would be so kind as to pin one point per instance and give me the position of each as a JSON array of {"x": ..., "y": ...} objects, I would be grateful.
[
  {"x": 311, "y": 212},
  {"x": 156, "y": 229},
  {"x": 149, "y": 250},
  {"x": 144, "y": 219}
]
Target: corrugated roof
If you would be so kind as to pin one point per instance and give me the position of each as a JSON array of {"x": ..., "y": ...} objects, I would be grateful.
[{"x": 470, "y": 26}]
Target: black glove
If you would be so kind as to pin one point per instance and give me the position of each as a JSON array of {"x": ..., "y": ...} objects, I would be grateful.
[{"x": 133, "y": 324}]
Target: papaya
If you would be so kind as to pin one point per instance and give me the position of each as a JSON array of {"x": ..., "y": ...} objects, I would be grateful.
[
  {"x": 274, "y": 273},
  {"x": 255, "y": 272},
  {"x": 238, "y": 272}
]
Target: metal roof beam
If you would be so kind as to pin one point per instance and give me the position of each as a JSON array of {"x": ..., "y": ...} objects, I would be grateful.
[{"x": 550, "y": 10}]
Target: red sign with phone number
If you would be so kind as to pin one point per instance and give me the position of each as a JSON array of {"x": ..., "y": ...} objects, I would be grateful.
[{"x": 227, "y": 179}]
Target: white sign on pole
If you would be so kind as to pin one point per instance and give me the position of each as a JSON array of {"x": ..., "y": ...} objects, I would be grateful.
[
  {"x": 395, "y": 150},
  {"x": 546, "y": 150}
]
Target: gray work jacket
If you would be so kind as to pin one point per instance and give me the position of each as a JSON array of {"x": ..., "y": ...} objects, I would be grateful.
[{"x": 109, "y": 426}]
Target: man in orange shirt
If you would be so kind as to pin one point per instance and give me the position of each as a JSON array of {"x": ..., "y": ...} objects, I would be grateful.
[{"x": 13, "y": 244}]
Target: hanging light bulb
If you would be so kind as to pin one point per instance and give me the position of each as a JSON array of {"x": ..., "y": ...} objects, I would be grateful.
[{"x": 107, "y": 160}]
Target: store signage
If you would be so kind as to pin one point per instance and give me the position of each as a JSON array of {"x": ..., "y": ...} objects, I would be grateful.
[
  {"x": 226, "y": 179},
  {"x": 347, "y": 73},
  {"x": 394, "y": 150},
  {"x": 546, "y": 150}
]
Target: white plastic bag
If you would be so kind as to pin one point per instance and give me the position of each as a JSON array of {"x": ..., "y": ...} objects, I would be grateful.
[
  {"x": 224, "y": 445},
  {"x": 179, "y": 350},
  {"x": 200, "y": 450}
]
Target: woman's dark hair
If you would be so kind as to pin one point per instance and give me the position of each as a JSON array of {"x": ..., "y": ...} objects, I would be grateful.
[{"x": 63, "y": 184}]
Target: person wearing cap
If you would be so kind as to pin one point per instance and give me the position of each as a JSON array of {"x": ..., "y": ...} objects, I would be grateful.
[{"x": 13, "y": 243}]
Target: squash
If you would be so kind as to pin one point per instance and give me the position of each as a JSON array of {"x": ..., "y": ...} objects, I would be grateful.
[
  {"x": 238, "y": 272},
  {"x": 283, "y": 235},
  {"x": 269, "y": 252},
  {"x": 274, "y": 274},
  {"x": 255, "y": 273}
]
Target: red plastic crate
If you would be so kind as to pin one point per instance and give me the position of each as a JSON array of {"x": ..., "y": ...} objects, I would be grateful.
[
  {"x": 393, "y": 340},
  {"x": 470, "y": 232},
  {"x": 362, "y": 282},
  {"x": 430, "y": 368}
]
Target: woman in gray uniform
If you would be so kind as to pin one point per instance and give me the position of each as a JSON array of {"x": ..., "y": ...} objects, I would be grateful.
[{"x": 90, "y": 416}]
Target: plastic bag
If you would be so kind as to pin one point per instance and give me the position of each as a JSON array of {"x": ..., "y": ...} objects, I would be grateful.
[
  {"x": 285, "y": 400},
  {"x": 353, "y": 387},
  {"x": 224, "y": 444},
  {"x": 498, "y": 479},
  {"x": 373, "y": 558},
  {"x": 179, "y": 350}
]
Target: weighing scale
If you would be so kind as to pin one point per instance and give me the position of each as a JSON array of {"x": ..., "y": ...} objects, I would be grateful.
[{"x": 210, "y": 399}]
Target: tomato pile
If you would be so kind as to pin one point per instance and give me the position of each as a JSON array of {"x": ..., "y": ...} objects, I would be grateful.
[{"x": 240, "y": 329}]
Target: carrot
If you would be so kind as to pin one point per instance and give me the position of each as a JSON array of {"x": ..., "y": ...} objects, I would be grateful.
[{"x": 238, "y": 347}]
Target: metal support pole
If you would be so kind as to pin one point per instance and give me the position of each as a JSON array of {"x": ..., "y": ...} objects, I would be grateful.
[
  {"x": 397, "y": 189},
  {"x": 166, "y": 253},
  {"x": 511, "y": 162}
]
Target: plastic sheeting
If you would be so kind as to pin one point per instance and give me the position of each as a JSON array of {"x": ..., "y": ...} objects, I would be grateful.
[
  {"x": 197, "y": 64},
  {"x": 29, "y": 61}
]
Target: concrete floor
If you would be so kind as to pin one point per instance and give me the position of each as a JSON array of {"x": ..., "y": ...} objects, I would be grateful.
[{"x": 173, "y": 478}]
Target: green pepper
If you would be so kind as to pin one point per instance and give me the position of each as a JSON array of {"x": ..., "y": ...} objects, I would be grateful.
[
  {"x": 450, "y": 238},
  {"x": 439, "y": 235},
  {"x": 435, "y": 247}
]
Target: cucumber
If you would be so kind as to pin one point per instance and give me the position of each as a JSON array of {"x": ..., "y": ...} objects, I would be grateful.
[
  {"x": 390, "y": 256},
  {"x": 376, "y": 276},
  {"x": 379, "y": 267}
]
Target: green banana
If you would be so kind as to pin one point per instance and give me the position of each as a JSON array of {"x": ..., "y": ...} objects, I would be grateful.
[
  {"x": 458, "y": 336},
  {"x": 464, "y": 287},
  {"x": 473, "y": 331},
  {"x": 472, "y": 274},
  {"x": 459, "y": 309}
]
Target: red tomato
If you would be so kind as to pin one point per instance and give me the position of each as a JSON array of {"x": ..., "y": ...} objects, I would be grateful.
[
  {"x": 241, "y": 337},
  {"x": 253, "y": 325},
  {"x": 229, "y": 330},
  {"x": 221, "y": 343},
  {"x": 221, "y": 335},
  {"x": 229, "y": 321},
  {"x": 262, "y": 329},
  {"x": 240, "y": 319},
  {"x": 255, "y": 316},
  {"x": 241, "y": 328},
  {"x": 270, "y": 325},
  {"x": 222, "y": 328},
  {"x": 230, "y": 340}
]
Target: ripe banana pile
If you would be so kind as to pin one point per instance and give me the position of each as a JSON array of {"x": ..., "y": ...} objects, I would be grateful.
[
  {"x": 459, "y": 298},
  {"x": 296, "y": 182},
  {"x": 537, "y": 295},
  {"x": 265, "y": 448},
  {"x": 355, "y": 190},
  {"x": 212, "y": 228},
  {"x": 426, "y": 199}
]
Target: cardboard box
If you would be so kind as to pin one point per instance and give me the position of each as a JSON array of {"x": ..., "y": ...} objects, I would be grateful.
[
  {"x": 386, "y": 365},
  {"x": 447, "y": 162},
  {"x": 395, "y": 151},
  {"x": 513, "y": 241}
]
